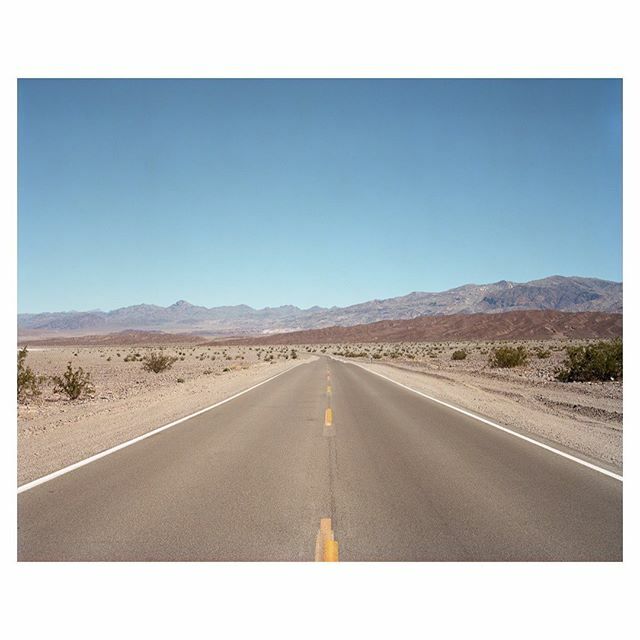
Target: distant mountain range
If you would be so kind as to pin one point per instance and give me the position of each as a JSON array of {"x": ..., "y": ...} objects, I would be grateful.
[
  {"x": 556, "y": 293},
  {"x": 512, "y": 325}
]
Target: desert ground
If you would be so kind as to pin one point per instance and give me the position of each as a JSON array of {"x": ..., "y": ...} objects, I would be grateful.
[
  {"x": 54, "y": 432},
  {"x": 582, "y": 417}
]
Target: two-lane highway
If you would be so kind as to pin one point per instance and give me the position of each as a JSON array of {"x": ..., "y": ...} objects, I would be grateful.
[{"x": 400, "y": 476}]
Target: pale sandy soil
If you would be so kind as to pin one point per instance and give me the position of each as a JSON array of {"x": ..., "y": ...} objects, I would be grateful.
[
  {"x": 583, "y": 417},
  {"x": 54, "y": 432}
]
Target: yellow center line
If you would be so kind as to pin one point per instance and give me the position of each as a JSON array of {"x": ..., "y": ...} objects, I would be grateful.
[
  {"x": 328, "y": 417},
  {"x": 330, "y": 551},
  {"x": 326, "y": 544},
  {"x": 329, "y": 388}
]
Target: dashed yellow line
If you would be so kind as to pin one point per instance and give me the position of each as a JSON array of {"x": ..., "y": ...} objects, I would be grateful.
[
  {"x": 326, "y": 544},
  {"x": 330, "y": 551},
  {"x": 328, "y": 417},
  {"x": 329, "y": 389}
]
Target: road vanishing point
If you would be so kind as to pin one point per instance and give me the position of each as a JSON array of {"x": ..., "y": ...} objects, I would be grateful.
[{"x": 326, "y": 461}]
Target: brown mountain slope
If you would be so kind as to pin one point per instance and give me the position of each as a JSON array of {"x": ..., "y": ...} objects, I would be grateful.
[{"x": 514, "y": 325}]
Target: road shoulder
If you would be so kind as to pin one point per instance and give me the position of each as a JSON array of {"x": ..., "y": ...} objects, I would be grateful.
[{"x": 594, "y": 440}]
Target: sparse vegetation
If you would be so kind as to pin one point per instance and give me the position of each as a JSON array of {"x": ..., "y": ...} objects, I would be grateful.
[
  {"x": 125, "y": 389},
  {"x": 599, "y": 361},
  {"x": 156, "y": 361},
  {"x": 348, "y": 353},
  {"x": 459, "y": 354},
  {"x": 73, "y": 383},
  {"x": 507, "y": 357},
  {"x": 28, "y": 381}
]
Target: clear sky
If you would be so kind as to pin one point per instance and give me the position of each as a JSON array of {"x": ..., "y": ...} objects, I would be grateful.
[{"x": 310, "y": 192}]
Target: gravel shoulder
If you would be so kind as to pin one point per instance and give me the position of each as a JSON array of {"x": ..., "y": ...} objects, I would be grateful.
[{"x": 128, "y": 401}]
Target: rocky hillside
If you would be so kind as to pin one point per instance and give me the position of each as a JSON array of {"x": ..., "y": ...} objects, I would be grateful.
[{"x": 557, "y": 293}]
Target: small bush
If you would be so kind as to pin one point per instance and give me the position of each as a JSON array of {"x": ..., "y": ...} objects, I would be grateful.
[
  {"x": 157, "y": 362},
  {"x": 543, "y": 353},
  {"x": 226, "y": 369},
  {"x": 294, "y": 354},
  {"x": 461, "y": 354},
  {"x": 28, "y": 381},
  {"x": 599, "y": 361},
  {"x": 180, "y": 380},
  {"x": 507, "y": 357},
  {"x": 73, "y": 383},
  {"x": 354, "y": 354}
]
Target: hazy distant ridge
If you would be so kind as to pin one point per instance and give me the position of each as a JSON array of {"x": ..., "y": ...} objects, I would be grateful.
[{"x": 556, "y": 293}]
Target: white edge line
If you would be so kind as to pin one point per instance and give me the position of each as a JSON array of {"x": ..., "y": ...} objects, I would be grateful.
[
  {"x": 128, "y": 443},
  {"x": 495, "y": 425}
]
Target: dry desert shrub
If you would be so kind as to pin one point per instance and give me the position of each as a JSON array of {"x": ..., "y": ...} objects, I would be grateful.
[
  {"x": 28, "y": 381},
  {"x": 599, "y": 361},
  {"x": 73, "y": 383},
  {"x": 507, "y": 357},
  {"x": 157, "y": 361}
]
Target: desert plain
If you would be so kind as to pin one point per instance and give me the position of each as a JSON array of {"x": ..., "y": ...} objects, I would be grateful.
[{"x": 581, "y": 417}]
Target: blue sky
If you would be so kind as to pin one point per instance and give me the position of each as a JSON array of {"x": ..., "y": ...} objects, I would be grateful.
[{"x": 310, "y": 192}]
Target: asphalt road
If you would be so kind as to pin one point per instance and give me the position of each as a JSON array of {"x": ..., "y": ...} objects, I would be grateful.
[{"x": 401, "y": 477}]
